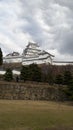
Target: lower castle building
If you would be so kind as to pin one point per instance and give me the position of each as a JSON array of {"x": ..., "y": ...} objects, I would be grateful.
[{"x": 31, "y": 54}]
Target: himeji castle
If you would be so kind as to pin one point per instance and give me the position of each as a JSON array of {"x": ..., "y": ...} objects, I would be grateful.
[{"x": 31, "y": 54}]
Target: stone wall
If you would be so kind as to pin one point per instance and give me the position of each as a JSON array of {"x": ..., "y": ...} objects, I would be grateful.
[{"x": 29, "y": 91}]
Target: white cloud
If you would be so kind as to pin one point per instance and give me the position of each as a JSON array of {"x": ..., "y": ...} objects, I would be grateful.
[{"x": 49, "y": 23}]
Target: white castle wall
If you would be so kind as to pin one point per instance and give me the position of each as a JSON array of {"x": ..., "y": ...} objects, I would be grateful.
[
  {"x": 12, "y": 60},
  {"x": 62, "y": 63},
  {"x": 15, "y": 72},
  {"x": 28, "y": 62}
]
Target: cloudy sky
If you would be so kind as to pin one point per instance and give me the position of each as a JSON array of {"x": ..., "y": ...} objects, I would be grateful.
[{"x": 46, "y": 22}]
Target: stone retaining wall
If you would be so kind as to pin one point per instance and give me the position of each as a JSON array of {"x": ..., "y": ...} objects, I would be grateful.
[{"x": 29, "y": 91}]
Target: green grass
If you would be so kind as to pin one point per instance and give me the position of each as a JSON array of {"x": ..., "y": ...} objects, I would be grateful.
[{"x": 35, "y": 115}]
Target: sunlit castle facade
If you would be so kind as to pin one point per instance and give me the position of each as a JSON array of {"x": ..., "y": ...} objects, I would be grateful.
[{"x": 31, "y": 54}]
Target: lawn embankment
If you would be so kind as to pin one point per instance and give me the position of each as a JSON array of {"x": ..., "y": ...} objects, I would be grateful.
[{"x": 35, "y": 115}]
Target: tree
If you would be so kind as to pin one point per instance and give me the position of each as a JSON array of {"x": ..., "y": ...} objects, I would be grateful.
[
  {"x": 8, "y": 75},
  {"x": 50, "y": 77},
  {"x": 67, "y": 77},
  {"x": 1, "y": 57},
  {"x": 59, "y": 79},
  {"x": 70, "y": 90},
  {"x": 35, "y": 72},
  {"x": 24, "y": 73}
]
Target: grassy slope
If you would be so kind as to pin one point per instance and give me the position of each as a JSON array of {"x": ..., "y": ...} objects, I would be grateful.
[{"x": 35, "y": 115}]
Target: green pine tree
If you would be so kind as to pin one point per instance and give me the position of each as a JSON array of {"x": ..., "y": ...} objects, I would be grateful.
[
  {"x": 69, "y": 90},
  {"x": 67, "y": 77},
  {"x": 24, "y": 73},
  {"x": 8, "y": 75},
  {"x": 59, "y": 79},
  {"x": 35, "y": 72}
]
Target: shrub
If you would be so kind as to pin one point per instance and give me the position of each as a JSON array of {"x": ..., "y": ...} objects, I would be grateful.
[{"x": 8, "y": 75}]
